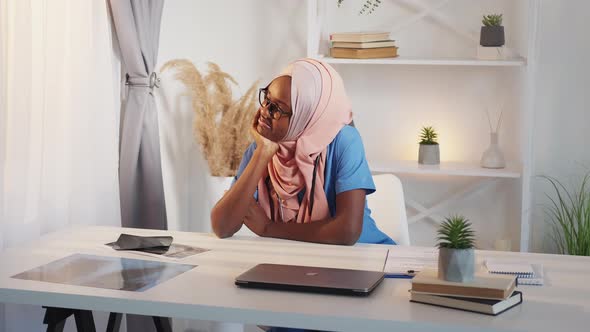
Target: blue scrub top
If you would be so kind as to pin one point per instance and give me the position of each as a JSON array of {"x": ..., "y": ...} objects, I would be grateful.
[{"x": 346, "y": 169}]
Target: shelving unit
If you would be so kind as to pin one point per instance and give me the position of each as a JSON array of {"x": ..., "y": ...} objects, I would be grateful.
[
  {"x": 402, "y": 60},
  {"x": 445, "y": 168},
  {"x": 517, "y": 170}
]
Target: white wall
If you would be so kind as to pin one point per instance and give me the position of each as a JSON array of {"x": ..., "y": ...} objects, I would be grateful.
[
  {"x": 390, "y": 102},
  {"x": 562, "y": 104},
  {"x": 251, "y": 40}
]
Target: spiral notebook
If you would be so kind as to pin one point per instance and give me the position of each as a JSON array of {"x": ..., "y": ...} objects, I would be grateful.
[{"x": 528, "y": 274}]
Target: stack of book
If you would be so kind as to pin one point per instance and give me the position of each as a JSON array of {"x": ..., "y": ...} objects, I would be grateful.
[
  {"x": 362, "y": 45},
  {"x": 486, "y": 294}
]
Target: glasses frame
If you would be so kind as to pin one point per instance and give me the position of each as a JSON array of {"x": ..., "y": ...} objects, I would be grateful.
[{"x": 272, "y": 107}]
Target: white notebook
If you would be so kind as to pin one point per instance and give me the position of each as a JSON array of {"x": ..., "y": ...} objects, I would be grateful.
[
  {"x": 528, "y": 274},
  {"x": 520, "y": 269},
  {"x": 536, "y": 279}
]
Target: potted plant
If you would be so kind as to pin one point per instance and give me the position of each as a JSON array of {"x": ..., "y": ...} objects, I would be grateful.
[
  {"x": 569, "y": 214},
  {"x": 492, "y": 31},
  {"x": 456, "y": 259},
  {"x": 429, "y": 153}
]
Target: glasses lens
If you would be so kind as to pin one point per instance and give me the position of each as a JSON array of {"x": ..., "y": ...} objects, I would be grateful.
[
  {"x": 261, "y": 96},
  {"x": 274, "y": 112}
]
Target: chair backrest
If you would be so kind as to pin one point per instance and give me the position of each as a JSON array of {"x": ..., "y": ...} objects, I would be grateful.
[{"x": 388, "y": 208}]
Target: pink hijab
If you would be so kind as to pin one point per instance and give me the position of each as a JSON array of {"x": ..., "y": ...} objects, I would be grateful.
[{"x": 320, "y": 109}]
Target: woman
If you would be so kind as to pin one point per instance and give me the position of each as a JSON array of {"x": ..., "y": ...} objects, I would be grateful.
[{"x": 305, "y": 177}]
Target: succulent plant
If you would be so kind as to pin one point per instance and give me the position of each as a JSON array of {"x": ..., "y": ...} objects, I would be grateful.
[
  {"x": 428, "y": 136},
  {"x": 455, "y": 233},
  {"x": 493, "y": 20}
]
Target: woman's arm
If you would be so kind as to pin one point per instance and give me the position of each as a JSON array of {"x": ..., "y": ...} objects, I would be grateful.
[
  {"x": 344, "y": 228},
  {"x": 228, "y": 214}
]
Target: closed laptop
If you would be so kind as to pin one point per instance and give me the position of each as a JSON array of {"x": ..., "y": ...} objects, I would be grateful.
[{"x": 310, "y": 279}]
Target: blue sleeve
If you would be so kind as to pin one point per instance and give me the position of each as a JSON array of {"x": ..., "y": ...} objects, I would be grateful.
[
  {"x": 245, "y": 160},
  {"x": 352, "y": 169}
]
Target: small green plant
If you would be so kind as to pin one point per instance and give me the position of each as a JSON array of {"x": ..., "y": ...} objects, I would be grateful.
[
  {"x": 368, "y": 7},
  {"x": 428, "y": 136},
  {"x": 455, "y": 233},
  {"x": 493, "y": 20},
  {"x": 569, "y": 213}
]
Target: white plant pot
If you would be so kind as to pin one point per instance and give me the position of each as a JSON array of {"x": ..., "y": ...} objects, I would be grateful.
[
  {"x": 429, "y": 154},
  {"x": 456, "y": 265}
]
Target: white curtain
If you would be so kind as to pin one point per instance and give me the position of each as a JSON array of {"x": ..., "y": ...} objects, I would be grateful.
[{"x": 59, "y": 120}]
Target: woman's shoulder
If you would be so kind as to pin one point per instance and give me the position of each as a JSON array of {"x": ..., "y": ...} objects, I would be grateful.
[{"x": 346, "y": 137}]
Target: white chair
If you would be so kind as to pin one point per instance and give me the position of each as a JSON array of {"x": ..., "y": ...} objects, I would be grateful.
[{"x": 388, "y": 208}]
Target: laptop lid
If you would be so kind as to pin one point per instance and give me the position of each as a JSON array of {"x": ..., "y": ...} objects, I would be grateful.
[{"x": 310, "y": 279}]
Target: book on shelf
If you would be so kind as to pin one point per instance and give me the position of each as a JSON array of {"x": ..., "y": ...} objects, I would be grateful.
[
  {"x": 484, "y": 285},
  {"x": 359, "y": 37},
  {"x": 484, "y": 306},
  {"x": 374, "y": 44},
  {"x": 491, "y": 53},
  {"x": 367, "y": 53}
]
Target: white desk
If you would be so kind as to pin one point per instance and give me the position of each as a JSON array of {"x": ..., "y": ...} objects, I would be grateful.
[{"x": 208, "y": 291}]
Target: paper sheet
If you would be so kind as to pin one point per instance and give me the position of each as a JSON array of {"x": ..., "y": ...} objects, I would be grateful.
[{"x": 400, "y": 260}]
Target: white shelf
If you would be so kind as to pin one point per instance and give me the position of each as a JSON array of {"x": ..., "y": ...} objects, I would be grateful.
[
  {"x": 445, "y": 168},
  {"x": 403, "y": 60}
]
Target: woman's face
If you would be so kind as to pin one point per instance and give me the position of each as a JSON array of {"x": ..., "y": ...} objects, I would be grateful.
[{"x": 277, "y": 95}]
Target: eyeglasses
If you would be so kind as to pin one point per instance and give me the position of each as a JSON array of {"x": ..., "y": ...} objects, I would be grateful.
[{"x": 273, "y": 109}]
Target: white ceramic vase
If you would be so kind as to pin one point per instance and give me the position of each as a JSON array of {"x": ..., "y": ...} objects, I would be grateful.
[{"x": 493, "y": 156}]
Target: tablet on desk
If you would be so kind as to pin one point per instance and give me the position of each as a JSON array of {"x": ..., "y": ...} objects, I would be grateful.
[{"x": 310, "y": 279}]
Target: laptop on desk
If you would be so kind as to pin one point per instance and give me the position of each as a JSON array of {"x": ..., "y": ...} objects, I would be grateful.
[{"x": 310, "y": 279}]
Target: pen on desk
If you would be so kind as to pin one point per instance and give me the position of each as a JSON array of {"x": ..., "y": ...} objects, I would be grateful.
[
  {"x": 399, "y": 276},
  {"x": 385, "y": 263}
]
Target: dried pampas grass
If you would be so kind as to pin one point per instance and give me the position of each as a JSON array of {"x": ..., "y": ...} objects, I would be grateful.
[{"x": 221, "y": 124}]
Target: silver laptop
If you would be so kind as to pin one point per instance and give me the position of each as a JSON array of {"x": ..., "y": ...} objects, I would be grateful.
[{"x": 310, "y": 279}]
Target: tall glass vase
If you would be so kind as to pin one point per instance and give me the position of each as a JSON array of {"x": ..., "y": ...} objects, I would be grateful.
[{"x": 493, "y": 156}]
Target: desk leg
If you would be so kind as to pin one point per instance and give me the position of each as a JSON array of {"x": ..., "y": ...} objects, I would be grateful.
[
  {"x": 55, "y": 318},
  {"x": 114, "y": 322},
  {"x": 163, "y": 324},
  {"x": 84, "y": 321},
  {"x": 58, "y": 327}
]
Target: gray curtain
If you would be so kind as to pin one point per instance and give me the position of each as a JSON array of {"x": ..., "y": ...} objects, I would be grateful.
[{"x": 137, "y": 24}]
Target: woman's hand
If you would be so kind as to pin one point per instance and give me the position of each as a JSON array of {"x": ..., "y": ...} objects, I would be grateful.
[
  {"x": 256, "y": 219},
  {"x": 266, "y": 146}
]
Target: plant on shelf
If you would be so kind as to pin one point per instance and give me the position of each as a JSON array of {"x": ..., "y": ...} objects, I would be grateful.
[
  {"x": 221, "y": 122},
  {"x": 368, "y": 7},
  {"x": 429, "y": 152},
  {"x": 492, "y": 31},
  {"x": 456, "y": 259},
  {"x": 493, "y": 20},
  {"x": 569, "y": 215}
]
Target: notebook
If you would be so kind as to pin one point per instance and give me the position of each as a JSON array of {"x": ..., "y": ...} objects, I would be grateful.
[
  {"x": 484, "y": 306},
  {"x": 401, "y": 261},
  {"x": 527, "y": 274},
  {"x": 520, "y": 269}
]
